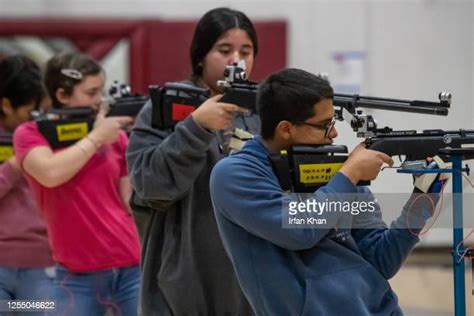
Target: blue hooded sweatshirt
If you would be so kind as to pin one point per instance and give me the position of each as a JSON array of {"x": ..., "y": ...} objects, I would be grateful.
[{"x": 311, "y": 271}]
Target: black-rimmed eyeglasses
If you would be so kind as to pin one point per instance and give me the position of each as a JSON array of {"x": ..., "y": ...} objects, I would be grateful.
[{"x": 327, "y": 128}]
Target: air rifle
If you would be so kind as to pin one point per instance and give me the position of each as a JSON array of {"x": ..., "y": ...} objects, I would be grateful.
[
  {"x": 412, "y": 144},
  {"x": 305, "y": 168},
  {"x": 63, "y": 127},
  {"x": 173, "y": 102},
  {"x": 122, "y": 102}
]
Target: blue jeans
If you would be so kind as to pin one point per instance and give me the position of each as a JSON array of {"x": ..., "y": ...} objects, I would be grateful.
[
  {"x": 26, "y": 284},
  {"x": 91, "y": 294}
]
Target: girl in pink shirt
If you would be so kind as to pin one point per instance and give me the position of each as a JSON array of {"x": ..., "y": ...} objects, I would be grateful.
[{"x": 83, "y": 191}]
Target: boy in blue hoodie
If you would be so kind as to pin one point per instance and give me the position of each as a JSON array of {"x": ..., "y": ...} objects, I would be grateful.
[{"x": 326, "y": 270}]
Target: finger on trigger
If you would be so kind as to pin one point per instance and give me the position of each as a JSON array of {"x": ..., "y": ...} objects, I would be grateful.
[
  {"x": 387, "y": 159},
  {"x": 216, "y": 98},
  {"x": 101, "y": 113},
  {"x": 124, "y": 119}
]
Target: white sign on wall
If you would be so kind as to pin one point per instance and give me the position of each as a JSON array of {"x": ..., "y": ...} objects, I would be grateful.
[{"x": 349, "y": 74}]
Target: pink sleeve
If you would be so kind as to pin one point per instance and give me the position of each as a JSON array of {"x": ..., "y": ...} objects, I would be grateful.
[
  {"x": 122, "y": 145},
  {"x": 25, "y": 138}
]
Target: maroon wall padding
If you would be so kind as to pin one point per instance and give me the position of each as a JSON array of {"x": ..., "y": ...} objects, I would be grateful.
[
  {"x": 98, "y": 47},
  {"x": 159, "y": 51}
]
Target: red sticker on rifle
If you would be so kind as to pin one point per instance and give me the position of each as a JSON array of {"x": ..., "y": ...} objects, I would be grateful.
[{"x": 181, "y": 111}]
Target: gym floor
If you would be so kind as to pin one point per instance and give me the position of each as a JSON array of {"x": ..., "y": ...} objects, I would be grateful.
[{"x": 424, "y": 285}]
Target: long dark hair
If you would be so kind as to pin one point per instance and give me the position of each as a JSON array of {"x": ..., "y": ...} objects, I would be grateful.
[{"x": 210, "y": 28}]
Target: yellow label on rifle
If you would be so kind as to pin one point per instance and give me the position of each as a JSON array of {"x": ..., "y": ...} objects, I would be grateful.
[
  {"x": 72, "y": 131},
  {"x": 6, "y": 152},
  {"x": 318, "y": 173}
]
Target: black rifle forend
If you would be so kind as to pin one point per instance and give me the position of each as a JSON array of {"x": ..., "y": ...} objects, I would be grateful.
[
  {"x": 418, "y": 146},
  {"x": 123, "y": 102},
  {"x": 64, "y": 127},
  {"x": 127, "y": 106},
  {"x": 243, "y": 95},
  {"x": 305, "y": 168},
  {"x": 73, "y": 113}
]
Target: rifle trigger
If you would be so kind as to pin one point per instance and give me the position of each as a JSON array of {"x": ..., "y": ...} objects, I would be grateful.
[{"x": 393, "y": 167}]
